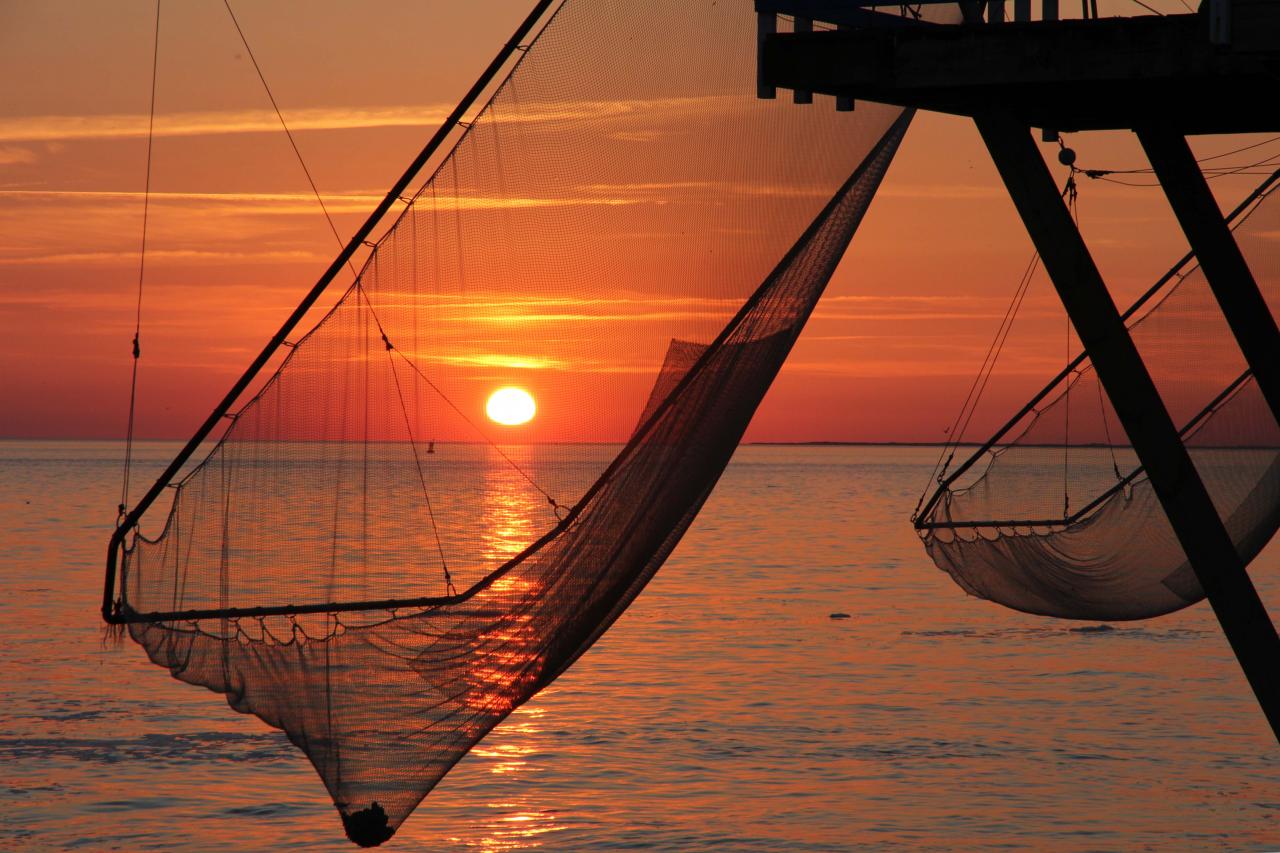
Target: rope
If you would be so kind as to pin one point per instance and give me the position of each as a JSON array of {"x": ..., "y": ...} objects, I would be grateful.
[
  {"x": 1070, "y": 193},
  {"x": 296, "y": 152},
  {"x": 955, "y": 434},
  {"x": 1239, "y": 150},
  {"x": 556, "y": 506},
  {"x": 1066, "y": 428},
  {"x": 1210, "y": 172},
  {"x": 142, "y": 266},
  {"x": 1106, "y": 429},
  {"x": 1011, "y": 314},
  {"x": 417, "y": 460}
]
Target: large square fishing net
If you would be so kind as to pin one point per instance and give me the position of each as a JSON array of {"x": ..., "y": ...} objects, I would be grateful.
[{"x": 624, "y": 231}]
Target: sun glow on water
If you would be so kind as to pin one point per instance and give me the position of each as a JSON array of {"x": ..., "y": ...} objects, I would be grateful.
[{"x": 511, "y": 406}]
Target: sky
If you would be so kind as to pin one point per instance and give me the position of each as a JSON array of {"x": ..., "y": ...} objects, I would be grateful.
[{"x": 235, "y": 237}]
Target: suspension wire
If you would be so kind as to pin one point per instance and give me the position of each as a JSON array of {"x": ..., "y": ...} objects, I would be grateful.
[
  {"x": 961, "y": 424},
  {"x": 1066, "y": 426},
  {"x": 968, "y": 409},
  {"x": 955, "y": 434},
  {"x": 556, "y": 506},
  {"x": 413, "y": 446},
  {"x": 1023, "y": 287},
  {"x": 1210, "y": 173},
  {"x": 1070, "y": 193},
  {"x": 1106, "y": 429},
  {"x": 292, "y": 142},
  {"x": 1239, "y": 150},
  {"x": 142, "y": 266}
]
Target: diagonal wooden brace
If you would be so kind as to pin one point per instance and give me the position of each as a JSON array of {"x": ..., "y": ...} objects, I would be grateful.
[
  {"x": 1215, "y": 248},
  {"x": 1138, "y": 405}
]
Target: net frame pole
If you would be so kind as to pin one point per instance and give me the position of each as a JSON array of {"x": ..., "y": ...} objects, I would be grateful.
[
  {"x": 1225, "y": 268},
  {"x": 1138, "y": 404},
  {"x": 1188, "y": 429},
  {"x": 117, "y": 542}
]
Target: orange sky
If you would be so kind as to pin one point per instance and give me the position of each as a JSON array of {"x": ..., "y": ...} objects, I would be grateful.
[{"x": 235, "y": 237}]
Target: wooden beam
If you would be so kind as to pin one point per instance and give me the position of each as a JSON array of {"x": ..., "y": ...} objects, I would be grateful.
[
  {"x": 1137, "y": 403},
  {"x": 1220, "y": 21},
  {"x": 1067, "y": 75},
  {"x": 800, "y": 96},
  {"x": 844, "y": 102},
  {"x": 1225, "y": 268}
]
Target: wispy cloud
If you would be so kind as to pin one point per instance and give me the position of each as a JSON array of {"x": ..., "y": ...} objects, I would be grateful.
[
  {"x": 635, "y": 317},
  {"x": 505, "y": 302},
  {"x": 883, "y": 316},
  {"x": 666, "y": 189},
  {"x": 14, "y": 155},
  {"x": 305, "y": 203},
  {"x": 925, "y": 298},
  {"x": 113, "y": 195},
  {"x": 518, "y": 362},
  {"x": 635, "y": 135},
  {"x": 580, "y": 362},
  {"x": 204, "y": 257},
  {"x": 131, "y": 125},
  {"x": 959, "y": 192},
  {"x": 862, "y": 367}
]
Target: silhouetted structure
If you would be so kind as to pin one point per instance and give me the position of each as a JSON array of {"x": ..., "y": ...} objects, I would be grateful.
[{"x": 1162, "y": 77}]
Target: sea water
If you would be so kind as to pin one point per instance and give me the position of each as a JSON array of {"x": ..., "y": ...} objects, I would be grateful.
[{"x": 726, "y": 710}]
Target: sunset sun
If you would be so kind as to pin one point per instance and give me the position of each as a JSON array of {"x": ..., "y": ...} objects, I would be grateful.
[{"x": 511, "y": 406}]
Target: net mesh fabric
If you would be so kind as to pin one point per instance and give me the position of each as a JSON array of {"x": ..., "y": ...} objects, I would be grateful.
[
  {"x": 625, "y": 231},
  {"x": 1056, "y": 517}
]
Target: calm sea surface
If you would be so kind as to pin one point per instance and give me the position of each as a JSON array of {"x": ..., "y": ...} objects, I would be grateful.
[{"x": 726, "y": 710}]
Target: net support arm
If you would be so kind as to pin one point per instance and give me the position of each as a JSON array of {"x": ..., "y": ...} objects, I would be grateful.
[
  {"x": 1137, "y": 403},
  {"x": 1225, "y": 268},
  {"x": 116, "y": 544}
]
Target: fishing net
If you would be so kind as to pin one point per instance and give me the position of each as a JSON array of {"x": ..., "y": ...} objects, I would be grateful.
[
  {"x": 1054, "y": 515},
  {"x": 625, "y": 232}
]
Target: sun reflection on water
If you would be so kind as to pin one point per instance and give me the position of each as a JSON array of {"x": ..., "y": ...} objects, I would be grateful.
[
  {"x": 505, "y": 657},
  {"x": 519, "y": 823},
  {"x": 506, "y": 662},
  {"x": 507, "y": 830},
  {"x": 514, "y": 514}
]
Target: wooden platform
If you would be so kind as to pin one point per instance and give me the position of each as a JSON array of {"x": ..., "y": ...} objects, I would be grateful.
[{"x": 1107, "y": 73}]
